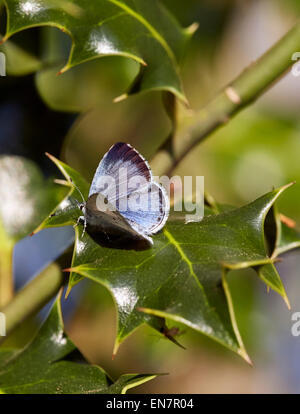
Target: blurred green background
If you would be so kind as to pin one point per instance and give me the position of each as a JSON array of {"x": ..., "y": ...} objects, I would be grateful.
[{"x": 73, "y": 117}]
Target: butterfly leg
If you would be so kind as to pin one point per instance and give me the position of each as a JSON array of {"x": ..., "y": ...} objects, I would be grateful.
[
  {"x": 81, "y": 220},
  {"x": 84, "y": 226}
]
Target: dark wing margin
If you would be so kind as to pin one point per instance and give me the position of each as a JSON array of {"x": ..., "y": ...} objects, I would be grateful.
[{"x": 120, "y": 156}]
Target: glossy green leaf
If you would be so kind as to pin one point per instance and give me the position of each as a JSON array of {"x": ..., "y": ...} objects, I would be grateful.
[
  {"x": 183, "y": 277},
  {"x": 138, "y": 29},
  {"x": 51, "y": 364},
  {"x": 267, "y": 272},
  {"x": 6, "y": 354}
]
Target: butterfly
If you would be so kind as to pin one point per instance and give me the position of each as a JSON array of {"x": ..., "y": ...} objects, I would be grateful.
[{"x": 125, "y": 205}]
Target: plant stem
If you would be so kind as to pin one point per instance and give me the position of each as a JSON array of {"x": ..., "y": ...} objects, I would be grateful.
[
  {"x": 6, "y": 281},
  {"x": 244, "y": 90},
  {"x": 6, "y": 278},
  {"x": 33, "y": 297}
]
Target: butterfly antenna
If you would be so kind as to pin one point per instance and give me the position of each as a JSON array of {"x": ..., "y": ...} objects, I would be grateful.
[{"x": 77, "y": 190}]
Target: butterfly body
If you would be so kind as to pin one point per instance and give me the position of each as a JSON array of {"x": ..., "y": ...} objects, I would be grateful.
[
  {"x": 109, "y": 216},
  {"x": 108, "y": 227}
]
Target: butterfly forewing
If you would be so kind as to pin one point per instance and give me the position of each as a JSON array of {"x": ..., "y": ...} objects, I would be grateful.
[
  {"x": 120, "y": 163},
  {"x": 124, "y": 181}
]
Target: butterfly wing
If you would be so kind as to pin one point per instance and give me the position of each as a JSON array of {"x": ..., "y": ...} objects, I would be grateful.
[
  {"x": 110, "y": 226},
  {"x": 121, "y": 164},
  {"x": 151, "y": 212},
  {"x": 120, "y": 157}
]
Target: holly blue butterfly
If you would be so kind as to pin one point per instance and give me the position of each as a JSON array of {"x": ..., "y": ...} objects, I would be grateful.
[{"x": 125, "y": 205}]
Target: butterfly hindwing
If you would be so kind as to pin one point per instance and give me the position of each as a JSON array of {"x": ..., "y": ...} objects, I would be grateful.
[
  {"x": 110, "y": 228},
  {"x": 150, "y": 213}
]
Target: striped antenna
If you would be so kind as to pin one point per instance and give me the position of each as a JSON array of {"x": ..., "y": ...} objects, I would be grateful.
[{"x": 78, "y": 190}]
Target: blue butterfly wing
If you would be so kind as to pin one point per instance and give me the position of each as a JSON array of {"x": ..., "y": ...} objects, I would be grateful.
[
  {"x": 153, "y": 214},
  {"x": 153, "y": 210},
  {"x": 120, "y": 155}
]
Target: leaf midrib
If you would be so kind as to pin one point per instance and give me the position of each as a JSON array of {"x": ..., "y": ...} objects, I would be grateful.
[
  {"x": 148, "y": 26},
  {"x": 184, "y": 257}
]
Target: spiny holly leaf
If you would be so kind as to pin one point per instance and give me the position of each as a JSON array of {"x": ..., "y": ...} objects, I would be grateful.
[
  {"x": 138, "y": 29},
  {"x": 267, "y": 272},
  {"x": 67, "y": 212},
  {"x": 51, "y": 364},
  {"x": 183, "y": 277}
]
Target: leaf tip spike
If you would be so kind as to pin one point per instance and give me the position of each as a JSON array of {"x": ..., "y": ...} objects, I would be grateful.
[
  {"x": 115, "y": 350},
  {"x": 287, "y": 302},
  {"x": 68, "y": 290},
  {"x": 3, "y": 40},
  {"x": 245, "y": 356},
  {"x": 190, "y": 30},
  {"x": 121, "y": 98},
  {"x": 67, "y": 269},
  {"x": 63, "y": 70},
  {"x": 49, "y": 155}
]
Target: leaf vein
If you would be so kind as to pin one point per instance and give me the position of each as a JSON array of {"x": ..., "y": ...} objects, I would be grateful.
[{"x": 145, "y": 23}]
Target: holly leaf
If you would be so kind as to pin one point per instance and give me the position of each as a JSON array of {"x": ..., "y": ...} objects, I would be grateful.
[
  {"x": 51, "y": 364},
  {"x": 266, "y": 272},
  {"x": 137, "y": 29},
  {"x": 183, "y": 277}
]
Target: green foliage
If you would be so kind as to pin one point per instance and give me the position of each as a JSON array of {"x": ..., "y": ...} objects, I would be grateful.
[
  {"x": 51, "y": 364},
  {"x": 183, "y": 277},
  {"x": 26, "y": 198},
  {"x": 138, "y": 29},
  {"x": 255, "y": 144}
]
